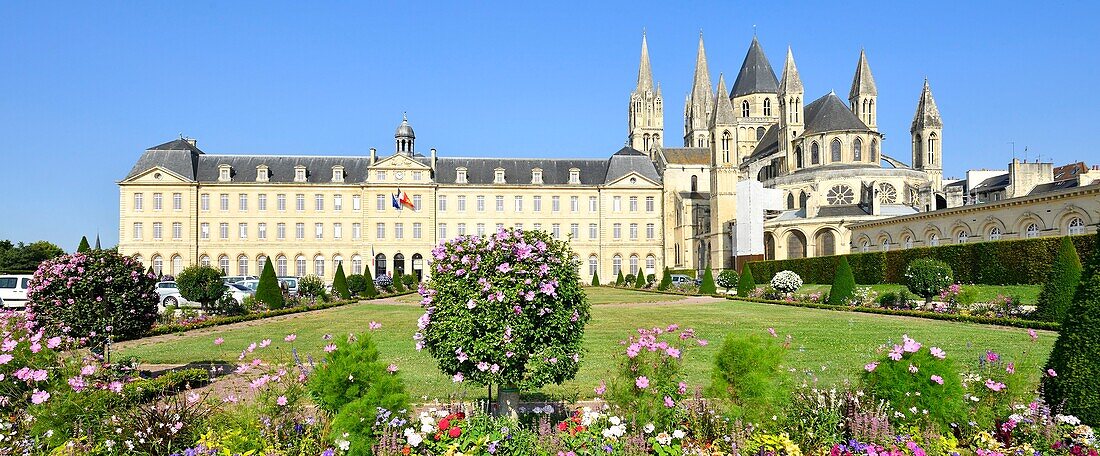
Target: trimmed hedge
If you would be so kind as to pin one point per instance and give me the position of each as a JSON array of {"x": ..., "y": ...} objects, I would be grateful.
[{"x": 1023, "y": 261}]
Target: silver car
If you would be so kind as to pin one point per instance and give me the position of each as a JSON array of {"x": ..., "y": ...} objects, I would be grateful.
[{"x": 170, "y": 295}]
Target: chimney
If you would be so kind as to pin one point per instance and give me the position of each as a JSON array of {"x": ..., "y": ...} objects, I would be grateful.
[
  {"x": 373, "y": 155},
  {"x": 192, "y": 141},
  {"x": 433, "y": 159}
]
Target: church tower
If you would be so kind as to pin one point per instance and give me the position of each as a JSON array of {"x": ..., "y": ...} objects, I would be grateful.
[
  {"x": 700, "y": 104},
  {"x": 404, "y": 138},
  {"x": 927, "y": 132},
  {"x": 646, "y": 112},
  {"x": 754, "y": 96},
  {"x": 863, "y": 97},
  {"x": 791, "y": 121},
  {"x": 724, "y": 172}
]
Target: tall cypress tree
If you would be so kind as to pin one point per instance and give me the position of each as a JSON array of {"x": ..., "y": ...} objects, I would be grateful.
[
  {"x": 1060, "y": 285},
  {"x": 340, "y": 283},
  {"x": 596, "y": 279},
  {"x": 707, "y": 287},
  {"x": 666, "y": 281},
  {"x": 268, "y": 290},
  {"x": 1075, "y": 360},
  {"x": 371, "y": 291},
  {"x": 83, "y": 247},
  {"x": 747, "y": 284},
  {"x": 619, "y": 281},
  {"x": 639, "y": 282},
  {"x": 844, "y": 284}
]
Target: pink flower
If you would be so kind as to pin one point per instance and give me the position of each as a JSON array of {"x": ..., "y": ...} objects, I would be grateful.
[
  {"x": 673, "y": 352},
  {"x": 38, "y": 397},
  {"x": 374, "y": 325},
  {"x": 641, "y": 382},
  {"x": 483, "y": 366},
  {"x": 896, "y": 353},
  {"x": 1051, "y": 373},
  {"x": 937, "y": 352},
  {"x": 115, "y": 386},
  {"x": 53, "y": 342},
  {"x": 702, "y": 342},
  {"x": 290, "y": 337},
  {"x": 392, "y": 368},
  {"x": 601, "y": 389},
  {"x": 87, "y": 370},
  {"x": 281, "y": 401},
  {"x": 219, "y": 341},
  {"x": 870, "y": 367},
  {"x": 937, "y": 379},
  {"x": 1011, "y": 368},
  {"x": 772, "y": 332},
  {"x": 995, "y": 386},
  {"x": 77, "y": 383},
  {"x": 1033, "y": 334},
  {"x": 330, "y": 348},
  {"x": 192, "y": 398},
  {"x": 264, "y": 343},
  {"x": 682, "y": 388},
  {"x": 9, "y": 345},
  {"x": 457, "y": 378},
  {"x": 992, "y": 357},
  {"x": 909, "y": 345},
  {"x": 633, "y": 350},
  {"x": 669, "y": 403},
  {"x": 6, "y": 358}
]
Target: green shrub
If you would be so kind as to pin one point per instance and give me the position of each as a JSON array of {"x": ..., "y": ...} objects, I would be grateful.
[
  {"x": 894, "y": 381},
  {"x": 639, "y": 281},
  {"x": 398, "y": 284},
  {"x": 844, "y": 284},
  {"x": 357, "y": 284},
  {"x": 1060, "y": 285},
  {"x": 201, "y": 284},
  {"x": 384, "y": 284},
  {"x": 84, "y": 246},
  {"x": 596, "y": 279},
  {"x": 409, "y": 281},
  {"x": 707, "y": 286},
  {"x": 927, "y": 278},
  {"x": 227, "y": 305},
  {"x": 349, "y": 373},
  {"x": 727, "y": 279},
  {"x": 355, "y": 421},
  {"x": 311, "y": 287},
  {"x": 340, "y": 283},
  {"x": 666, "y": 281},
  {"x": 892, "y": 300},
  {"x": 1075, "y": 360},
  {"x": 747, "y": 284},
  {"x": 620, "y": 280},
  {"x": 371, "y": 290},
  {"x": 268, "y": 291},
  {"x": 87, "y": 293},
  {"x": 748, "y": 376}
]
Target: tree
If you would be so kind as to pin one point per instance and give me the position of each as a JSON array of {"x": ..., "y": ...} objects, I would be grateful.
[
  {"x": 747, "y": 285},
  {"x": 26, "y": 257},
  {"x": 639, "y": 281},
  {"x": 268, "y": 291},
  {"x": 1073, "y": 376},
  {"x": 926, "y": 277},
  {"x": 370, "y": 291},
  {"x": 707, "y": 286},
  {"x": 1060, "y": 285},
  {"x": 201, "y": 284},
  {"x": 84, "y": 246},
  {"x": 666, "y": 281},
  {"x": 398, "y": 285},
  {"x": 340, "y": 283},
  {"x": 844, "y": 284},
  {"x": 619, "y": 281},
  {"x": 727, "y": 279},
  {"x": 595, "y": 279}
]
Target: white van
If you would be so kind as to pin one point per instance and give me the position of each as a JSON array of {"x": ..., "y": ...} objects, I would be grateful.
[{"x": 13, "y": 291}]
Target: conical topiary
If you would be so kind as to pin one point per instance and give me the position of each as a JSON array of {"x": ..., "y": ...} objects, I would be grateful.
[
  {"x": 640, "y": 281},
  {"x": 666, "y": 281},
  {"x": 268, "y": 290},
  {"x": 398, "y": 286},
  {"x": 619, "y": 281},
  {"x": 844, "y": 284},
  {"x": 747, "y": 284},
  {"x": 340, "y": 283},
  {"x": 707, "y": 287},
  {"x": 84, "y": 246},
  {"x": 1060, "y": 285},
  {"x": 1072, "y": 377},
  {"x": 596, "y": 279},
  {"x": 371, "y": 291}
]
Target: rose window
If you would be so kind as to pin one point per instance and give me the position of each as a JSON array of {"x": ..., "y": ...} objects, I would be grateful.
[
  {"x": 840, "y": 194},
  {"x": 887, "y": 194}
]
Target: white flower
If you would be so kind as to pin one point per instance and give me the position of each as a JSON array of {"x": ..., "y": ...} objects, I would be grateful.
[
  {"x": 664, "y": 439},
  {"x": 678, "y": 434},
  {"x": 615, "y": 420},
  {"x": 1067, "y": 419},
  {"x": 343, "y": 444},
  {"x": 648, "y": 428}
]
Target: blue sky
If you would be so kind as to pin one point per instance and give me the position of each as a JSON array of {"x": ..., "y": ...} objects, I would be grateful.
[{"x": 88, "y": 86}]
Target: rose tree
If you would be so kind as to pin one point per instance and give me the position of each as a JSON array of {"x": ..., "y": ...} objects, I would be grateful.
[{"x": 505, "y": 308}]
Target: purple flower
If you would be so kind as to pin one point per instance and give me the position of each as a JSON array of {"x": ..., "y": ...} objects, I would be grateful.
[{"x": 505, "y": 268}]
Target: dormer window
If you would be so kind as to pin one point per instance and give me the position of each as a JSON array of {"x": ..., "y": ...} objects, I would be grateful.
[
  {"x": 536, "y": 176},
  {"x": 262, "y": 174},
  {"x": 498, "y": 176},
  {"x": 460, "y": 176},
  {"x": 300, "y": 173},
  {"x": 338, "y": 173},
  {"x": 225, "y": 173},
  {"x": 574, "y": 176}
]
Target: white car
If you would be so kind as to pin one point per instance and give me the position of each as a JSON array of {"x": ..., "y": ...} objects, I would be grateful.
[
  {"x": 235, "y": 279},
  {"x": 13, "y": 290},
  {"x": 239, "y": 292},
  {"x": 170, "y": 295}
]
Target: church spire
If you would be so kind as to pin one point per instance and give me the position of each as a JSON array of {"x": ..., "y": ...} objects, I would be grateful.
[
  {"x": 645, "y": 73},
  {"x": 756, "y": 75},
  {"x": 928, "y": 115},
  {"x": 863, "y": 83},
  {"x": 723, "y": 108},
  {"x": 645, "y": 116},
  {"x": 790, "y": 82},
  {"x": 700, "y": 103}
]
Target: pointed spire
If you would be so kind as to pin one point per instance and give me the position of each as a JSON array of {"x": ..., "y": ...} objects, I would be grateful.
[
  {"x": 723, "y": 108},
  {"x": 790, "y": 82},
  {"x": 645, "y": 73},
  {"x": 928, "y": 115},
  {"x": 756, "y": 75},
  {"x": 863, "y": 83},
  {"x": 700, "y": 86},
  {"x": 97, "y": 245}
]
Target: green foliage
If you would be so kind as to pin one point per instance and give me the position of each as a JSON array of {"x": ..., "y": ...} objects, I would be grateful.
[
  {"x": 355, "y": 420},
  {"x": 666, "y": 281},
  {"x": 746, "y": 285},
  {"x": 357, "y": 284},
  {"x": 201, "y": 284},
  {"x": 311, "y": 287},
  {"x": 1061, "y": 284},
  {"x": 398, "y": 284},
  {"x": 927, "y": 277},
  {"x": 748, "y": 376},
  {"x": 531, "y": 331},
  {"x": 1023, "y": 261},
  {"x": 629, "y": 280},
  {"x": 596, "y": 279},
  {"x": 844, "y": 284},
  {"x": 370, "y": 290},
  {"x": 650, "y": 382},
  {"x": 268, "y": 291},
  {"x": 727, "y": 279},
  {"x": 351, "y": 372},
  {"x": 409, "y": 281},
  {"x": 146, "y": 390},
  {"x": 620, "y": 280},
  {"x": 894, "y": 381},
  {"x": 639, "y": 282},
  {"x": 99, "y": 294},
  {"x": 1075, "y": 360},
  {"x": 708, "y": 287},
  {"x": 26, "y": 257},
  {"x": 84, "y": 246},
  {"x": 340, "y": 283}
]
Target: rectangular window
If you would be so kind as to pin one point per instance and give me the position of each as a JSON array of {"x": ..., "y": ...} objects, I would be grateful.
[
  {"x": 536, "y": 204},
  {"x": 441, "y": 232},
  {"x": 417, "y": 230},
  {"x": 555, "y": 230},
  {"x": 417, "y": 203},
  {"x": 617, "y": 231},
  {"x": 481, "y": 203},
  {"x": 224, "y": 201},
  {"x": 204, "y": 201},
  {"x": 204, "y": 231},
  {"x": 650, "y": 231},
  {"x": 338, "y": 203},
  {"x": 280, "y": 202},
  {"x": 398, "y": 230},
  {"x": 380, "y": 175},
  {"x": 158, "y": 201},
  {"x": 418, "y": 175},
  {"x": 538, "y": 227},
  {"x": 519, "y": 204},
  {"x": 480, "y": 229},
  {"x": 500, "y": 203},
  {"x": 337, "y": 230},
  {"x": 137, "y": 231},
  {"x": 157, "y": 227},
  {"x": 300, "y": 202},
  {"x": 319, "y": 202},
  {"x": 223, "y": 230},
  {"x": 356, "y": 231},
  {"x": 380, "y": 203},
  {"x": 633, "y": 204},
  {"x": 574, "y": 204},
  {"x": 381, "y": 231},
  {"x": 593, "y": 205},
  {"x": 461, "y": 203},
  {"x": 299, "y": 231},
  {"x": 261, "y": 202},
  {"x": 356, "y": 203},
  {"x": 139, "y": 201},
  {"x": 461, "y": 229},
  {"x": 649, "y": 204},
  {"x": 500, "y": 226},
  {"x": 242, "y": 230},
  {"x": 593, "y": 232},
  {"x": 519, "y": 226},
  {"x": 261, "y": 230},
  {"x": 177, "y": 201},
  {"x": 633, "y": 231},
  {"x": 617, "y": 203},
  {"x": 555, "y": 203},
  {"x": 280, "y": 231},
  {"x": 319, "y": 230},
  {"x": 441, "y": 204},
  {"x": 575, "y": 230},
  {"x": 177, "y": 230},
  {"x": 243, "y": 202}
]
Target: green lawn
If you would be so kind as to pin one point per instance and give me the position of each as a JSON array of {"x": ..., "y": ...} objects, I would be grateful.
[
  {"x": 1028, "y": 294},
  {"x": 827, "y": 345}
]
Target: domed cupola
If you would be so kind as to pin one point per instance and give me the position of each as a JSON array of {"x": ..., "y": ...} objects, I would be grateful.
[{"x": 404, "y": 137}]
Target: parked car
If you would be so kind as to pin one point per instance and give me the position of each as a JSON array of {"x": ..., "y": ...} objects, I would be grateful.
[
  {"x": 291, "y": 284},
  {"x": 235, "y": 279},
  {"x": 239, "y": 292},
  {"x": 680, "y": 279},
  {"x": 13, "y": 290},
  {"x": 250, "y": 283},
  {"x": 170, "y": 295}
]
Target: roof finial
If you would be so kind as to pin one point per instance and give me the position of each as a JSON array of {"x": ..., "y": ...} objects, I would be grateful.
[
  {"x": 404, "y": 116},
  {"x": 754, "y": 30}
]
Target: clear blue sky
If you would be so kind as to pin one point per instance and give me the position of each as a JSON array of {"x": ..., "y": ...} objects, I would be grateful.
[{"x": 87, "y": 86}]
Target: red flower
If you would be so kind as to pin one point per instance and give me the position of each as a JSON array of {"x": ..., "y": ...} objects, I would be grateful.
[
  {"x": 577, "y": 429},
  {"x": 454, "y": 432},
  {"x": 445, "y": 424},
  {"x": 563, "y": 426}
]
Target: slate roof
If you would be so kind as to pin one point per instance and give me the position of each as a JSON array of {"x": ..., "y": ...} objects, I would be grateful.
[
  {"x": 1069, "y": 171},
  {"x": 756, "y": 75},
  {"x": 687, "y": 155},
  {"x": 769, "y": 144},
  {"x": 281, "y": 168},
  {"x": 1052, "y": 186},
  {"x": 179, "y": 156},
  {"x": 829, "y": 113},
  {"x": 847, "y": 210},
  {"x": 998, "y": 182},
  {"x": 628, "y": 160},
  {"x": 518, "y": 170}
]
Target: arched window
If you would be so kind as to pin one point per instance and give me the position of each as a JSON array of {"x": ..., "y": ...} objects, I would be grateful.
[
  {"x": 885, "y": 245},
  {"x": 319, "y": 266},
  {"x": 790, "y": 201},
  {"x": 744, "y": 108},
  {"x": 379, "y": 265},
  {"x": 300, "y": 265},
  {"x": 676, "y": 248},
  {"x": 874, "y": 151},
  {"x": 356, "y": 264},
  {"x": 261, "y": 262},
  {"x": 963, "y": 237},
  {"x": 280, "y": 266},
  {"x": 593, "y": 265},
  {"x": 769, "y": 246},
  {"x": 398, "y": 265},
  {"x": 834, "y": 150},
  {"x": 337, "y": 260},
  {"x": 204, "y": 260},
  {"x": 803, "y": 197},
  {"x": 857, "y": 150},
  {"x": 1032, "y": 231},
  {"x": 865, "y": 246},
  {"x": 767, "y": 106},
  {"x": 177, "y": 265},
  {"x": 934, "y": 240},
  {"x": 242, "y": 265},
  {"x": 1076, "y": 226},
  {"x": 645, "y": 142},
  {"x": 418, "y": 266},
  {"x": 760, "y": 132},
  {"x": 223, "y": 264},
  {"x": 815, "y": 154},
  {"x": 995, "y": 234},
  {"x": 826, "y": 243},
  {"x": 932, "y": 148},
  {"x": 918, "y": 154},
  {"x": 908, "y": 242},
  {"x": 796, "y": 245},
  {"x": 727, "y": 138},
  {"x": 694, "y": 183},
  {"x": 650, "y": 264},
  {"x": 158, "y": 265},
  {"x": 634, "y": 264},
  {"x": 798, "y": 163},
  {"x": 616, "y": 265}
]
